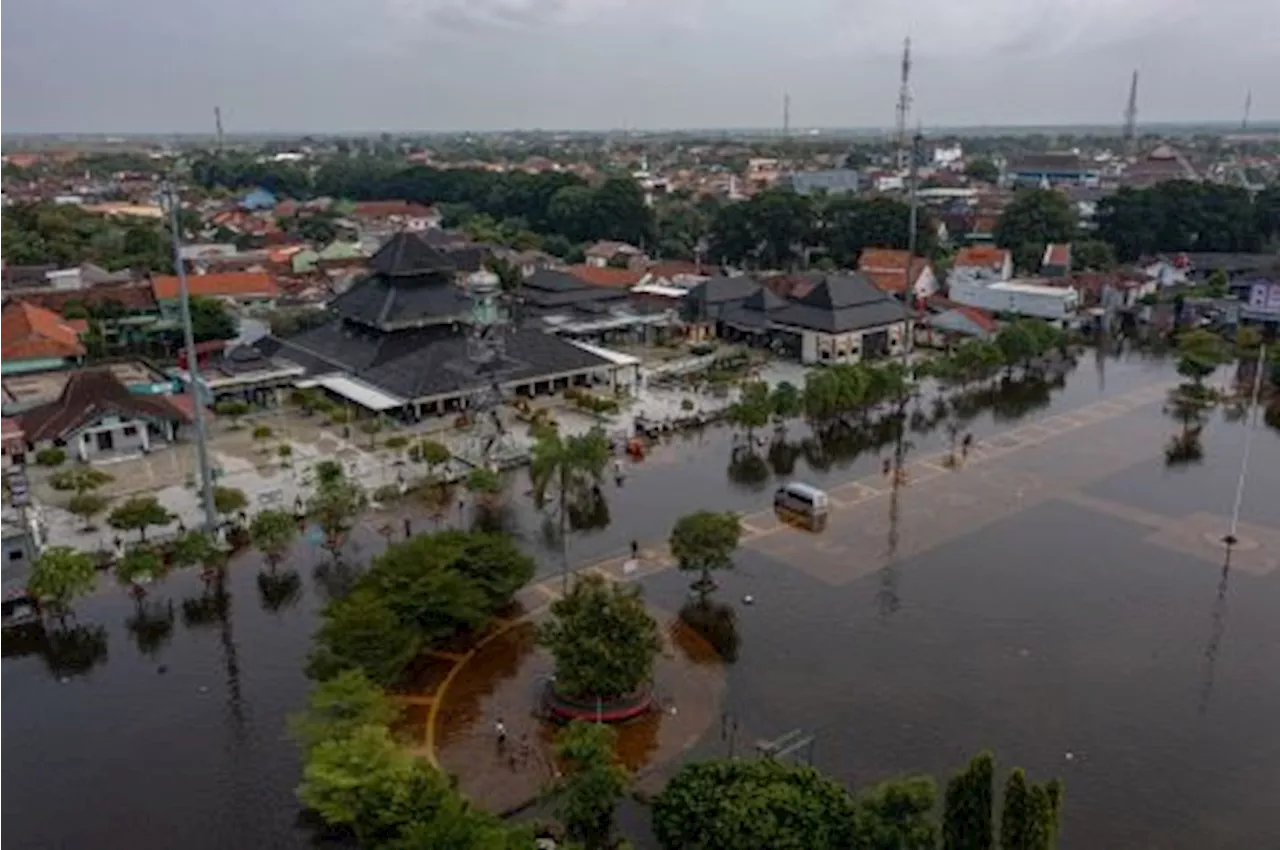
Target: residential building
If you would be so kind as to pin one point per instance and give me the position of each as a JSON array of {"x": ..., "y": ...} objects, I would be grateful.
[
  {"x": 887, "y": 269},
  {"x": 246, "y": 289},
  {"x": 946, "y": 323},
  {"x": 258, "y": 199},
  {"x": 842, "y": 318},
  {"x": 397, "y": 341},
  {"x": 1053, "y": 169},
  {"x": 20, "y": 552},
  {"x": 1162, "y": 163},
  {"x": 614, "y": 254},
  {"x": 96, "y": 416},
  {"x": 835, "y": 181},
  {"x": 38, "y": 340},
  {"x": 983, "y": 261},
  {"x": 606, "y": 276},
  {"x": 396, "y": 213},
  {"x": 13, "y": 444},
  {"x": 1016, "y": 298},
  {"x": 1056, "y": 261}
]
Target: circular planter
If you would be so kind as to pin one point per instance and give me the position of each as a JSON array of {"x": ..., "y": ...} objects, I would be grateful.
[{"x": 564, "y": 709}]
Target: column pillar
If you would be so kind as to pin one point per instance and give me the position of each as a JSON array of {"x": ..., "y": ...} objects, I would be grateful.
[{"x": 145, "y": 432}]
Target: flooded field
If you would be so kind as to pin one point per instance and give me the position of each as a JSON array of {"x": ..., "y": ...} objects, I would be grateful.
[{"x": 1062, "y": 600}]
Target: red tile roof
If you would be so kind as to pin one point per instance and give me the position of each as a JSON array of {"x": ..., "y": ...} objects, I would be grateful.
[
  {"x": 981, "y": 318},
  {"x": 981, "y": 256},
  {"x": 886, "y": 267},
  {"x": 229, "y": 284},
  {"x": 610, "y": 277},
  {"x": 90, "y": 393},
  {"x": 31, "y": 333},
  {"x": 131, "y": 296},
  {"x": 1057, "y": 254},
  {"x": 386, "y": 209}
]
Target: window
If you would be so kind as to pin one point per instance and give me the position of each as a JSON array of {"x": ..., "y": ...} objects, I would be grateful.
[
  {"x": 130, "y": 431},
  {"x": 15, "y": 554}
]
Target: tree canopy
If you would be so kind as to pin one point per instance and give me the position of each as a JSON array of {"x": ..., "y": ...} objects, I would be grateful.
[
  {"x": 138, "y": 514},
  {"x": 704, "y": 541},
  {"x": 591, "y": 785},
  {"x": 1181, "y": 215},
  {"x": 1033, "y": 219},
  {"x": 67, "y": 235},
  {"x": 603, "y": 640},
  {"x": 61, "y": 574}
]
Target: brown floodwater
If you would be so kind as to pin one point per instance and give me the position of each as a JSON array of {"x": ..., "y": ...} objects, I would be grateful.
[{"x": 1060, "y": 637}]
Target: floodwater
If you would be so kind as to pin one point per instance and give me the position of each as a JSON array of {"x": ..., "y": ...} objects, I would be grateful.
[{"x": 1060, "y": 637}]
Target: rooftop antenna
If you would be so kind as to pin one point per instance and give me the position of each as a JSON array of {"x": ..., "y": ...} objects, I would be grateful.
[
  {"x": 1131, "y": 116},
  {"x": 217, "y": 120},
  {"x": 1248, "y": 107},
  {"x": 786, "y": 115},
  {"x": 904, "y": 103}
]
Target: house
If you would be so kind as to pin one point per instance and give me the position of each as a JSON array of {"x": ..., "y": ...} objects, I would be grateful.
[
  {"x": 551, "y": 291},
  {"x": 20, "y": 551},
  {"x": 707, "y": 301},
  {"x": 258, "y": 199},
  {"x": 1056, "y": 261},
  {"x": 401, "y": 213},
  {"x": 96, "y": 416},
  {"x": 1053, "y": 169},
  {"x": 614, "y": 254},
  {"x": 1161, "y": 164},
  {"x": 398, "y": 341},
  {"x": 946, "y": 322},
  {"x": 887, "y": 269},
  {"x": 13, "y": 443},
  {"x": 606, "y": 276},
  {"x": 843, "y": 318},
  {"x": 247, "y": 289},
  {"x": 835, "y": 181},
  {"x": 38, "y": 340},
  {"x": 983, "y": 261}
]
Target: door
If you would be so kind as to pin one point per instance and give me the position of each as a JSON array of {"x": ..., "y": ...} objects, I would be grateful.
[{"x": 106, "y": 441}]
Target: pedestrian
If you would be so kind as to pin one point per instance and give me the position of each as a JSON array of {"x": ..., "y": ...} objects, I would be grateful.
[
  {"x": 635, "y": 549},
  {"x": 888, "y": 465},
  {"x": 500, "y": 732},
  {"x": 408, "y": 528}
]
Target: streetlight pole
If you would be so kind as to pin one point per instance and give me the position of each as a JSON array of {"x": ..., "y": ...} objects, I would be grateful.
[
  {"x": 1231, "y": 539},
  {"x": 193, "y": 368},
  {"x": 913, "y": 219}
]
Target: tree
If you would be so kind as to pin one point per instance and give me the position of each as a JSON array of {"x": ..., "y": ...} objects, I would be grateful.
[
  {"x": 967, "y": 817},
  {"x": 335, "y": 506},
  {"x": 1092, "y": 255},
  {"x": 138, "y": 514},
  {"x": 705, "y": 541},
  {"x": 232, "y": 408},
  {"x": 1030, "y": 813},
  {"x": 786, "y": 400},
  {"x": 571, "y": 469},
  {"x": 983, "y": 170},
  {"x": 1200, "y": 353},
  {"x": 210, "y": 320},
  {"x": 339, "y": 706},
  {"x": 80, "y": 479},
  {"x": 1036, "y": 217},
  {"x": 87, "y": 506},
  {"x": 753, "y": 804},
  {"x": 273, "y": 533},
  {"x": 362, "y": 631},
  {"x": 897, "y": 815},
  {"x": 372, "y": 427},
  {"x": 229, "y": 500},
  {"x": 587, "y": 667},
  {"x": 483, "y": 483},
  {"x": 1016, "y": 344},
  {"x": 434, "y": 454},
  {"x": 752, "y": 409},
  {"x": 592, "y": 784},
  {"x": 140, "y": 566},
  {"x": 61, "y": 574},
  {"x": 1218, "y": 284},
  {"x": 196, "y": 549}
]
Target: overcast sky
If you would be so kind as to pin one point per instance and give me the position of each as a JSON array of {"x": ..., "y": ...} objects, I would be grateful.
[{"x": 361, "y": 65}]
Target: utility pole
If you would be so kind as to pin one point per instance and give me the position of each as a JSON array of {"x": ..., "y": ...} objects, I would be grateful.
[
  {"x": 1254, "y": 412},
  {"x": 193, "y": 367},
  {"x": 904, "y": 103},
  {"x": 1131, "y": 117}
]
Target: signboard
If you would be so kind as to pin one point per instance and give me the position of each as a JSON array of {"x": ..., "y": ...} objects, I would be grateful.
[{"x": 1265, "y": 298}]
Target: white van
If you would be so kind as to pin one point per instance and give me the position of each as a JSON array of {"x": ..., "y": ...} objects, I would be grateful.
[{"x": 802, "y": 503}]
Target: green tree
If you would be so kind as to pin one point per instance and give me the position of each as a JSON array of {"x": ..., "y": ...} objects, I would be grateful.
[
  {"x": 80, "y": 479},
  {"x": 335, "y": 506},
  {"x": 372, "y": 427},
  {"x": 592, "y": 783},
  {"x": 570, "y": 470},
  {"x": 983, "y": 170},
  {"x": 61, "y": 574},
  {"x": 138, "y": 514},
  {"x": 1016, "y": 344},
  {"x": 587, "y": 667},
  {"x": 1200, "y": 353},
  {"x": 340, "y": 706},
  {"x": 211, "y": 320},
  {"x": 786, "y": 401},
  {"x": 434, "y": 454},
  {"x": 705, "y": 541},
  {"x": 752, "y": 409},
  {"x": 1036, "y": 217},
  {"x": 753, "y": 804},
  {"x": 897, "y": 815},
  {"x": 1030, "y": 813},
  {"x": 196, "y": 549},
  {"x": 362, "y": 631},
  {"x": 140, "y": 566},
  {"x": 1218, "y": 285},
  {"x": 967, "y": 816},
  {"x": 1092, "y": 255},
  {"x": 229, "y": 500},
  {"x": 273, "y": 532},
  {"x": 233, "y": 409},
  {"x": 87, "y": 506}
]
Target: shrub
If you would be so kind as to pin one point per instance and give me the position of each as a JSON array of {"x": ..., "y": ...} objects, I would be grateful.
[{"x": 52, "y": 456}]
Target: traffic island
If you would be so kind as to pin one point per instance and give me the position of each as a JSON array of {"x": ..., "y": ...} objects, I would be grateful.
[{"x": 506, "y": 680}]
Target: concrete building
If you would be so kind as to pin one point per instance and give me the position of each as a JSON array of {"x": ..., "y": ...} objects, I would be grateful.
[{"x": 835, "y": 181}]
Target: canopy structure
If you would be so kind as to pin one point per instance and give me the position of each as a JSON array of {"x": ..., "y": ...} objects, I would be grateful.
[
  {"x": 358, "y": 391},
  {"x": 617, "y": 358}
]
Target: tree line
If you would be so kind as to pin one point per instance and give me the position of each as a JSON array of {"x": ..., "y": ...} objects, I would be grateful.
[{"x": 67, "y": 235}]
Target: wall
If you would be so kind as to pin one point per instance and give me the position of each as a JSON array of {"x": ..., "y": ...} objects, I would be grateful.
[{"x": 48, "y": 364}]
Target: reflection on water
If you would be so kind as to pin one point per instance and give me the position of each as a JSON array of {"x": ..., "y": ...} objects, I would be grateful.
[
  {"x": 66, "y": 650},
  {"x": 151, "y": 625},
  {"x": 717, "y": 624},
  {"x": 1217, "y": 628},
  {"x": 279, "y": 589}
]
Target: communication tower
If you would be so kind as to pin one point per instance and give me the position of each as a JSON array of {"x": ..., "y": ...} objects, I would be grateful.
[
  {"x": 904, "y": 103},
  {"x": 1131, "y": 117}
]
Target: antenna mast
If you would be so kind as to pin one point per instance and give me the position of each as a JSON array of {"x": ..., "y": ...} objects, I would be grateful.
[
  {"x": 217, "y": 120},
  {"x": 786, "y": 115},
  {"x": 904, "y": 103},
  {"x": 1131, "y": 116},
  {"x": 1248, "y": 107}
]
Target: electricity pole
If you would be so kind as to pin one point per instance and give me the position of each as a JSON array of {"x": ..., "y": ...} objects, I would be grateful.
[{"x": 193, "y": 367}]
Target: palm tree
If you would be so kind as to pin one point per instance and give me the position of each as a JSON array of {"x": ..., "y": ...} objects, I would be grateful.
[{"x": 571, "y": 468}]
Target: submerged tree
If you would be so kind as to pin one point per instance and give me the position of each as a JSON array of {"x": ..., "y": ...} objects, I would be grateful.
[
  {"x": 1030, "y": 813},
  {"x": 967, "y": 817},
  {"x": 569, "y": 470},
  {"x": 60, "y": 575},
  {"x": 704, "y": 541},
  {"x": 592, "y": 783},
  {"x": 335, "y": 506},
  {"x": 138, "y": 514}
]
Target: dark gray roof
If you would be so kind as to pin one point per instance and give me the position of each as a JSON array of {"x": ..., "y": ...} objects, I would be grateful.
[
  {"x": 763, "y": 299},
  {"x": 423, "y": 362},
  {"x": 408, "y": 254},
  {"x": 717, "y": 290},
  {"x": 398, "y": 302},
  {"x": 840, "y": 303},
  {"x": 468, "y": 257},
  {"x": 548, "y": 289},
  {"x": 1049, "y": 162}
]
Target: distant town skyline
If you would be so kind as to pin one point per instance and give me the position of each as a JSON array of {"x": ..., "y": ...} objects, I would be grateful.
[{"x": 341, "y": 66}]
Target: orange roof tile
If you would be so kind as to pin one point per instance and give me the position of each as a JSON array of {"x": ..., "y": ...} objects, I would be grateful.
[
  {"x": 610, "y": 277},
  {"x": 980, "y": 256},
  {"x": 1057, "y": 254},
  {"x": 31, "y": 333},
  {"x": 886, "y": 267},
  {"x": 230, "y": 284},
  {"x": 383, "y": 209}
]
